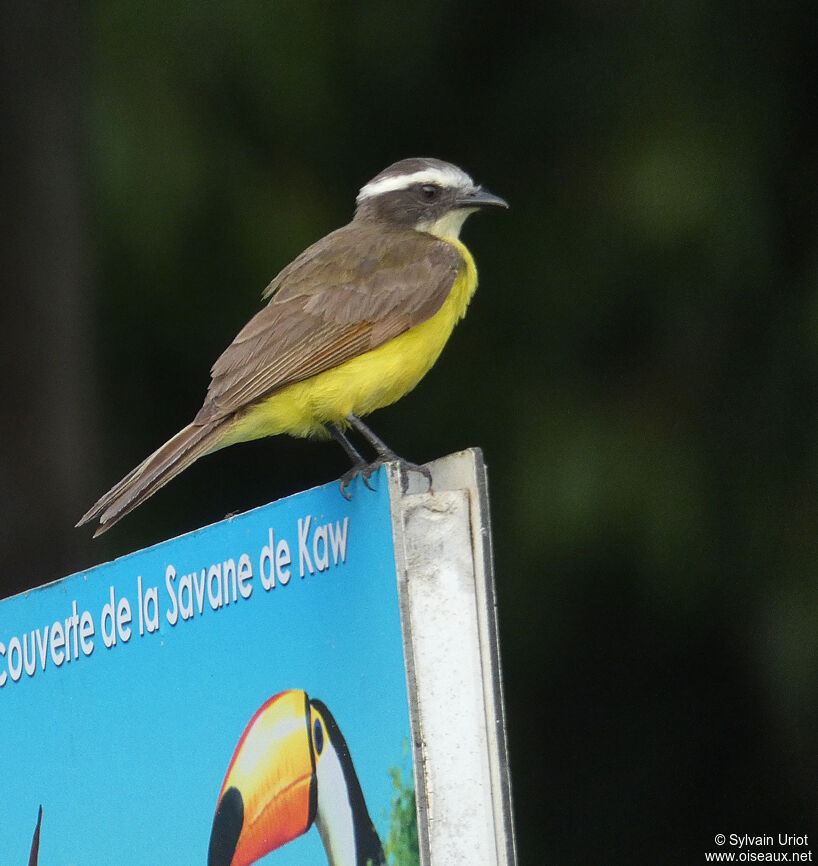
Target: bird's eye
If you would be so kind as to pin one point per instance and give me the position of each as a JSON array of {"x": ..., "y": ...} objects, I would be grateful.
[
  {"x": 318, "y": 737},
  {"x": 430, "y": 191}
]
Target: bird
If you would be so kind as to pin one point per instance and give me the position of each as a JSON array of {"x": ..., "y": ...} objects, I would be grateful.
[
  {"x": 292, "y": 769},
  {"x": 351, "y": 325}
]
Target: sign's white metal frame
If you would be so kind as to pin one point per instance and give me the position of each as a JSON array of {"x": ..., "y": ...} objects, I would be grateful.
[{"x": 446, "y": 586}]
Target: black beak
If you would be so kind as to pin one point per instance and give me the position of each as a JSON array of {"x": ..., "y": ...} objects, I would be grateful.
[{"x": 478, "y": 198}]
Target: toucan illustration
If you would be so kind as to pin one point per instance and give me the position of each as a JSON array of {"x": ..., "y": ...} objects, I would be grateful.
[{"x": 292, "y": 769}]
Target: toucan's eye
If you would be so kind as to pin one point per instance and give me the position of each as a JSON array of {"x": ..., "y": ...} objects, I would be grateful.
[
  {"x": 430, "y": 191},
  {"x": 318, "y": 736}
]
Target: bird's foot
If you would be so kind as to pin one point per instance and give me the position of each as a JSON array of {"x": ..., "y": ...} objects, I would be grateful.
[
  {"x": 365, "y": 470},
  {"x": 406, "y": 467},
  {"x": 384, "y": 452}
]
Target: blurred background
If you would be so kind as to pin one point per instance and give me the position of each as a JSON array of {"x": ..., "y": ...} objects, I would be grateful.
[{"x": 639, "y": 364}]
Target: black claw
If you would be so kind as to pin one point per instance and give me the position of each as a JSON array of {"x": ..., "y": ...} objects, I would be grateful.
[
  {"x": 406, "y": 467},
  {"x": 366, "y": 471},
  {"x": 370, "y": 470},
  {"x": 343, "y": 484},
  {"x": 363, "y": 470}
]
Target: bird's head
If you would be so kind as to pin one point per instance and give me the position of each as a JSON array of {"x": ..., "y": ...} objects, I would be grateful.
[
  {"x": 428, "y": 195},
  {"x": 291, "y": 768}
]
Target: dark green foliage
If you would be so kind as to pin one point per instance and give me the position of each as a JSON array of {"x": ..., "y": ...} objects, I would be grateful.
[{"x": 401, "y": 847}]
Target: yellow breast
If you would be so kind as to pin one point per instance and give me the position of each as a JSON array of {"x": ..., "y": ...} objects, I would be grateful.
[{"x": 365, "y": 383}]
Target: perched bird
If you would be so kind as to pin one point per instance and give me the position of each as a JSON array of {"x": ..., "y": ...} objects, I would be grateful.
[
  {"x": 352, "y": 324},
  {"x": 292, "y": 769}
]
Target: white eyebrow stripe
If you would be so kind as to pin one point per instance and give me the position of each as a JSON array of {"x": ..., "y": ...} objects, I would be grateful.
[{"x": 442, "y": 176}]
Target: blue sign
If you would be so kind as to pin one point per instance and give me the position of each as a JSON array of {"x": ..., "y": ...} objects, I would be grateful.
[{"x": 233, "y": 695}]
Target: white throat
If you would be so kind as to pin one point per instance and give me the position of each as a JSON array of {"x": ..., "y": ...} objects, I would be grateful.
[
  {"x": 333, "y": 817},
  {"x": 449, "y": 225}
]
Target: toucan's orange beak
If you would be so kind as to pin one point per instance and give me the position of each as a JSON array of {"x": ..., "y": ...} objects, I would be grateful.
[{"x": 268, "y": 796}]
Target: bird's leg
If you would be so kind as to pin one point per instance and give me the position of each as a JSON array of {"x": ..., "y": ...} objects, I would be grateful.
[
  {"x": 351, "y": 451},
  {"x": 386, "y": 454},
  {"x": 359, "y": 465}
]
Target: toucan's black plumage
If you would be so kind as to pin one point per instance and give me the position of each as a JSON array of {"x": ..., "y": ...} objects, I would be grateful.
[
  {"x": 367, "y": 843},
  {"x": 226, "y": 830},
  {"x": 34, "y": 857}
]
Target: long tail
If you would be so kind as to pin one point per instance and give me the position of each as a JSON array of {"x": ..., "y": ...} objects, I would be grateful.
[{"x": 187, "y": 446}]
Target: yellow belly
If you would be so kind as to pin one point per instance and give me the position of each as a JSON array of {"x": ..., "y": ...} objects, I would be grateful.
[{"x": 365, "y": 383}]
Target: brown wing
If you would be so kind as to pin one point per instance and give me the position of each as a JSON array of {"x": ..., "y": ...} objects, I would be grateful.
[{"x": 352, "y": 291}]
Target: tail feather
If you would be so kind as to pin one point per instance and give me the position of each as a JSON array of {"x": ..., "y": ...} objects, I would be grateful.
[{"x": 187, "y": 446}]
